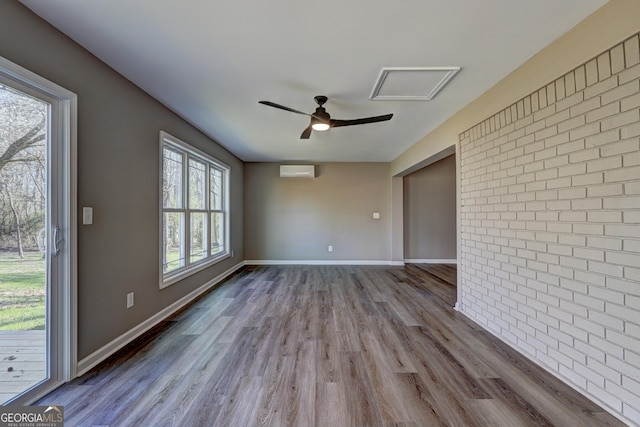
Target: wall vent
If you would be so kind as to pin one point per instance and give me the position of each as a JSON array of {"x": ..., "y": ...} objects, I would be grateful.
[{"x": 297, "y": 171}]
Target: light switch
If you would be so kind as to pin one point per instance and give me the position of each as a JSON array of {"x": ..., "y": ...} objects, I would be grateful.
[
  {"x": 87, "y": 216},
  {"x": 376, "y": 215}
]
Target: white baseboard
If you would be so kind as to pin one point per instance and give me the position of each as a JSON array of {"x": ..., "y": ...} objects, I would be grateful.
[
  {"x": 431, "y": 261},
  {"x": 110, "y": 348},
  {"x": 317, "y": 262}
]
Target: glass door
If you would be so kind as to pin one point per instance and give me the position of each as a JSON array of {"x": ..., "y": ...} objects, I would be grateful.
[{"x": 34, "y": 241}]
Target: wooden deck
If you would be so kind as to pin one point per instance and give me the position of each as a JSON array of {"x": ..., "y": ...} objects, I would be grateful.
[{"x": 22, "y": 361}]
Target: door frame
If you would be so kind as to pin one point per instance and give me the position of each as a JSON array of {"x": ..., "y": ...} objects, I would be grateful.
[{"x": 66, "y": 304}]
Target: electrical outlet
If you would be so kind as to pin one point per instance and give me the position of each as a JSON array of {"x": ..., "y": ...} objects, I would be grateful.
[
  {"x": 232, "y": 254},
  {"x": 130, "y": 300},
  {"x": 330, "y": 248}
]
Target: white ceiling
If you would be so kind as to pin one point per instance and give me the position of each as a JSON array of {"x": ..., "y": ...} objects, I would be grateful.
[{"x": 212, "y": 61}]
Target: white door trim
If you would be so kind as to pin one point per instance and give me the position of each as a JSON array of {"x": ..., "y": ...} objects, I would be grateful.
[{"x": 67, "y": 135}]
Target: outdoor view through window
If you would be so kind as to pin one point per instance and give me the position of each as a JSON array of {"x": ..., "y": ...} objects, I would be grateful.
[{"x": 23, "y": 210}]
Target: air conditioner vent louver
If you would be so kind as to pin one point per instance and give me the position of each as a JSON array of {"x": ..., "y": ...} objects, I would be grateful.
[{"x": 297, "y": 171}]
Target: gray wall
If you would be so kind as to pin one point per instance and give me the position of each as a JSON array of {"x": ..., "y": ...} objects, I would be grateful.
[
  {"x": 297, "y": 218},
  {"x": 118, "y": 156},
  {"x": 430, "y": 211}
]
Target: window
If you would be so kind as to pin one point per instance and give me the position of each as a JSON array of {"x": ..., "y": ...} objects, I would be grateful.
[{"x": 194, "y": 212}]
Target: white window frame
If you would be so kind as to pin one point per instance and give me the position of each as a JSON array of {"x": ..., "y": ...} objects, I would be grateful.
[{"x": 191, "y": 153}]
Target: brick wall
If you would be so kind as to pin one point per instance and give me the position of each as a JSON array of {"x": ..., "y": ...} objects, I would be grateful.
[{"x": 550, "y": 223}]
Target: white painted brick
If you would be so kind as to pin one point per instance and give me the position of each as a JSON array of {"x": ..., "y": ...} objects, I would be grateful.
[
  {"x": 632, "y": 187},
  {"x": 561, "y": 249},
  {"x": 560, "y": 271},
  {"x": 623, "y": 91},
  {"x": 604, "y": 243},
  {"x": 592, "y": 229},
  {"x": 603, "y": 138},
  {"x": 630, "y": 316},
  {"x": 623, "y": 340},
  {"x": 632, "y": 51},
  {"x": 600, "y": 321},
  {"x": 589, "y": 254},
  {"x": 623, "y": 258},
  {"x": 589, "y": 326},
  {"x": 608, "y": 347},
  {"x": 550, "y": 221},
  {"x": 604, "y": 65},
  {"x": 573, "y": 169},
  {"x": 567, "y": 239},
  {"x": 625, "y": 174},
  {"x": 591, "y": 278},
  {"x": 631, "y": 384},
  {"x": 631, "y": 411},
  {"x": 605, "y": 190},
  {"x": 617, "y": 59},
  {"x": 586, "y": 204},
  {"x": 554, "y": 228},
  {"x": 606, "y": 163},
  {"x": 630, "y": 246},
  {"x": 621, "y": 147},
  {"x": 584, "y": 155},
  {"x": 573, "y": 216},
  {"x": 588, "y": 179},
  {"x": 578, "y": 121},
  {"x": 604, "y": 370},
  {"x": 560, "y": 336},
  {"x": 630, "y": 102},
  {"x": 573, "y": 262},
  {"x": 606, "y": 269},
  {"x": 572, "y": 193},
  {"x": 570, "y": 147},
  {"x": 585, "y": 350},
  {"x": 556, "y": 161},
  {"x": 601, "y": 87},
  {"x": 631, "y": 159},
  {"x": 566, "y": 103},
  {"x": 620, "y": 120},
  {"x": 545, "y": 154},
  {"x": 573, "y": 309},
  {"x": 605, "y": 216},
  {"x": 604, "y": 396},
  {"x": 559, "y": 205},
  {"x": 584, "y": 107},
  {"x": 574, "y": 332},
  {"x": 570, "y": 83},
  {"x": 589, "y": 302},
  {"x": 623, "y": 230}
]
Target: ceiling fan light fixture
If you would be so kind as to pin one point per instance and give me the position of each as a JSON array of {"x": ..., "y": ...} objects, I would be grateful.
[{"x": 321, "y": 127}]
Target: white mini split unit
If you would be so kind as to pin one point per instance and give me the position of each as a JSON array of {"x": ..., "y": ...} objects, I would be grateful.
[{"x": 297, "y": 171}]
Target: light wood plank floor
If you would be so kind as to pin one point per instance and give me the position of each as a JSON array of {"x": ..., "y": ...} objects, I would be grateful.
[{"x": 324, "y": 346}]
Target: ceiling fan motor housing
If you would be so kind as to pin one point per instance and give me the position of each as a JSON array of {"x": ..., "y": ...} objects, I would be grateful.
[{"x": 320, "y": 99}]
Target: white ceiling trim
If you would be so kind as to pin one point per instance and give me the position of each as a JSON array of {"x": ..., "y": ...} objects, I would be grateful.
[{"x": 447, "y": 74}]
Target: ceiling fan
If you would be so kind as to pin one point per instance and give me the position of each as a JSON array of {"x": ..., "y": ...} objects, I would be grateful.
[{"x": 321, "y": 120}]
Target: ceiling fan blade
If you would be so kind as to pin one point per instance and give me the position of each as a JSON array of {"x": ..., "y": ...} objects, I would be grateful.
[
  {"x": 282, "y": 107},
  {"x": 374, "y": 119},
  {"x": 306, "y": 133}
]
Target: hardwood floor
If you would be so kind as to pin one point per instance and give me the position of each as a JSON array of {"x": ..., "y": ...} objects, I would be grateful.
[{"x": 325, "y": 346}]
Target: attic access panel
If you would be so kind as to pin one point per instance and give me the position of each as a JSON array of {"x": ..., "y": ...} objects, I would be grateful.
[{"x": 411, "y": 83}]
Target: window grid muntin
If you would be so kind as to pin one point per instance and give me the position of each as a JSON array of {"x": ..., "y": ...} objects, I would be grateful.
[{"x": 188, "y": 153}]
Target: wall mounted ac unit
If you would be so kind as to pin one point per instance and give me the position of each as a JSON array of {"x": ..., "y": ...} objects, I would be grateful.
[{"x": 297, "y": 171}]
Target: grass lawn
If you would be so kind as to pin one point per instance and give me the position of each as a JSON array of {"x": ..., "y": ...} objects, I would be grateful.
[{"x": 22, "y": 291}]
